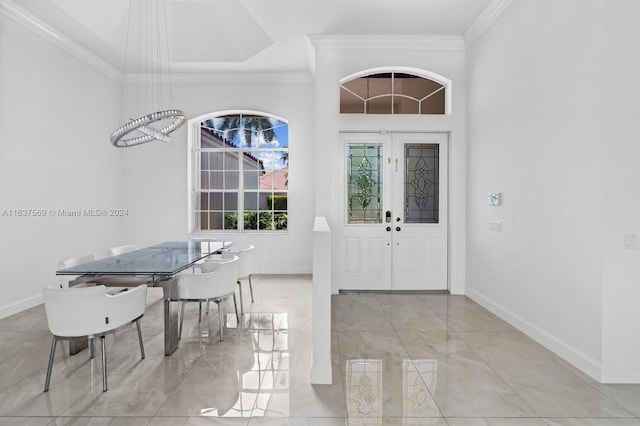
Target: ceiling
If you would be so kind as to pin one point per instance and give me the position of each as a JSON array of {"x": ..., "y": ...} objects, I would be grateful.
[{"x": 246, "y": 35}]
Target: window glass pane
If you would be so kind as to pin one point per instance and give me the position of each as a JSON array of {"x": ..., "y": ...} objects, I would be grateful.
[
  {"x": 364, "y": 184},
  {"x": 250, "y": 219},
  {"x": 263, "y": 203},
  {"x": 231, "y": 161},
  {"x": 250, "y": 200},
  {"x": 216, "y": 180},
  {"x": 379, "y": 105},
  {"x": 277, "y": 201},
  {"x": 403, "y": 105},
  {"x": 434, "y": 104},
  {"x": 358, "y": 86},
  {"x": 251, "y": 179},
  {"x": 414, "y": 86},
  {"x": 215, "y": 201},
  {"x": 231, "y": 201},
  {"x": 204, "y": 200},
  {"x": 421, "y": 189},
  {"x": 350, "y": 103},
  {"x": 231, "y": 180},
  {"x": 378, "y": 84},
  {"x": 204, "y": 160},
  {"x": 215, "y": 161},
  {"x": 204, "y": 220},
  {"x": 204, "y": 180},
  {"x": 215, "y": 220}
]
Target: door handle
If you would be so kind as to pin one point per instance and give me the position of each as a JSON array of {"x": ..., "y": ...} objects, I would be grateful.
[{"x": 398, "y": 228}]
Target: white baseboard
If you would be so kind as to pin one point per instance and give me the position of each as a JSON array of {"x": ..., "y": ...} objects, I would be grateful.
[
  {"x": 572, "y": 355},
  {"x": 622, "y": 374},
  {"x": 20, "y": 306}
]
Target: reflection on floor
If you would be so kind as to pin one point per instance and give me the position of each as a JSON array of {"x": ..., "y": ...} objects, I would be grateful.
[{"x": 397, "y": 360}]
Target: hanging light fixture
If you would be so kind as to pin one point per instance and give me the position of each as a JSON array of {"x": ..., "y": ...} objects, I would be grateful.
[{"x": 153, "y": 78}]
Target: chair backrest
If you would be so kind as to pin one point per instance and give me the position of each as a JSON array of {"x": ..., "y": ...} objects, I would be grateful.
[
  {"x": 77, "y": 311},
  {"x": 71, "y": 262},
  {"x": 83, "y": 311},
  {"x": 246, "y": 260},
  {"x": 114, "y": 251},
  {"x": 214, "y": 280}
]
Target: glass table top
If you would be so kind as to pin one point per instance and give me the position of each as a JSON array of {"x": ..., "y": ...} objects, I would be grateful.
[{"x": 166, "y": 258}]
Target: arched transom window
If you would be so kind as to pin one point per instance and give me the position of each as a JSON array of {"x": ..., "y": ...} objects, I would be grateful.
[{"x": 392, "y": 92}]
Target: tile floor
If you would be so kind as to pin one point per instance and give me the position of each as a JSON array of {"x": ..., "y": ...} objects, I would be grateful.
[{"x": 398, "y": 360}]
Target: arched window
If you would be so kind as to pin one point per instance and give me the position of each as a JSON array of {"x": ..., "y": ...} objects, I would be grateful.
[
  {"x": 394, "y": 91},
  {"x": 240, "y": 172}
]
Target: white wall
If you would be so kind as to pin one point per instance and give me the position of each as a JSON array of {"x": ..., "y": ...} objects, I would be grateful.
[
  {"x": 337, "y": 57},
  {"x": 56, "y": 115},
  {"x": 540, "y": 88},
  {"x": 155, "y": 174}
]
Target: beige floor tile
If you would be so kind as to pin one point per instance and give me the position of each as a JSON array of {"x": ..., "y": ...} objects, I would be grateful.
[{"x": 398, "y": 360}]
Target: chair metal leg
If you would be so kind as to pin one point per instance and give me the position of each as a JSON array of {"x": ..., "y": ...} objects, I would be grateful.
[
  {"x": 241, "y": 302},
  {"x": 51, "y": 356},
  {"x": 235, "y": 305},
  {"x": 140, "y": 338},
  {"x": 251, "y": 288},
  {"x": 219, "y": 317},
  {"x": 200, "y": 311},
  {"x": 92, "y": 347},
  {"x": 104, "y": 363},
  {"x": 181, "y": 320}
]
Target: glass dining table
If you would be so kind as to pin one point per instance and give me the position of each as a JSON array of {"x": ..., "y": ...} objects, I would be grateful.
[{"x": 156, "y": 266}]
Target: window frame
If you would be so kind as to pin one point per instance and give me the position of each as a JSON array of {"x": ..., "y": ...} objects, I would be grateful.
[{"x": 194, "y": 170}]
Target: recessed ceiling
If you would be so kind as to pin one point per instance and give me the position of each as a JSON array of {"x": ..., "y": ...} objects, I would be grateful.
[{"x": 251, "y": 35}]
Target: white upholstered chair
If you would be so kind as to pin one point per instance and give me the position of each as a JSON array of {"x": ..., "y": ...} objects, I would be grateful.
[
  {"x": 244, "y": 271},
  {"x": 114, "y": 251},
  {"x": 70, "y": 262},
  {"x": 209, "y": 281},
  {"x": 91, "y": 312}
]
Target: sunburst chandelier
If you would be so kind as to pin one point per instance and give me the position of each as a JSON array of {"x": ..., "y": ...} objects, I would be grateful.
[{"x": 153, "y": 77}]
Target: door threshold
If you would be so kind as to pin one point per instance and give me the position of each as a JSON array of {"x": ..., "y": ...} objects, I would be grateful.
[{"x": 431, "y": 292}]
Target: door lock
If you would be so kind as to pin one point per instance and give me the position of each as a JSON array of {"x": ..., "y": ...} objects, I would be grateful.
[
  {"x": 397, "y": 219},
  {"x": 397, "y": 228},
  {"x": 388, "y": 229},
  {"x": 387, "y": 216}
]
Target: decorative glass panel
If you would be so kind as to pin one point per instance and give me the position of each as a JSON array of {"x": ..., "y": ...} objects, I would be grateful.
[
  {"x": 421, "y": 186},
  {"x": 364, "y": 183}
]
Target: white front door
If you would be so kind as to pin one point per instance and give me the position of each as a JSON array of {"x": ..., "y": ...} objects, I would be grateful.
[{"x": 393, "y": 232}]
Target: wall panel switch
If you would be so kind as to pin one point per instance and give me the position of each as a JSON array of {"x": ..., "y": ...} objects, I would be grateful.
[
  {"x": 631, "y": 241},
  {"x": 495, "y": 225}
]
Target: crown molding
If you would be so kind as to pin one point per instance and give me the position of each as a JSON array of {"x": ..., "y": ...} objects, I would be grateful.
[
  {"x": 214, "y": 77},
  {"x": 378, "y": 42},
  {"x": 29, "y": 21},
  {"x": 485, "y": 20}
]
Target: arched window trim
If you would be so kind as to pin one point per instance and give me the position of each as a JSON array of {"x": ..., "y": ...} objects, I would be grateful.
[{"x": 430, "y": 75}]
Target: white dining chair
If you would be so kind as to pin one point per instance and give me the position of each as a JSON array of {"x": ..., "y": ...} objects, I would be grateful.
[
  {"x": 70, "y": 262},
  {"x": 91, "y": 312},
  {"x": 114, "y": 251},
  {"x": 206, "y": 282},
  {"x": 245, "y": 270}
]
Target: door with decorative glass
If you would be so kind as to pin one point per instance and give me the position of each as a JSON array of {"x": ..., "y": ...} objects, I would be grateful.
[{"x": 394, "y": 231}]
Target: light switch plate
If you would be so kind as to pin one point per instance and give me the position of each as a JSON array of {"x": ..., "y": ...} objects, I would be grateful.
[{"x": 495, "y": 198}]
